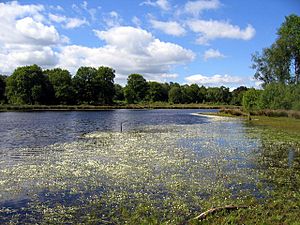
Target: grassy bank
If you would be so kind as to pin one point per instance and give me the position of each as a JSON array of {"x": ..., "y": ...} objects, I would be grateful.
[
  {"x": 282, "y": 121},
  {"x": 156, "y": 105},
  {"x": 266, "y": 112}
]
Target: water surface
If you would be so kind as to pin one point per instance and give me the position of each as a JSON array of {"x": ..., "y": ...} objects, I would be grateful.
[{"x": 79, "y": 167}]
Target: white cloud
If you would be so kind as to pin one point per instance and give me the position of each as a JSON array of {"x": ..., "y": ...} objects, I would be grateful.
[
  {"x": 74, "y": 23},
  {"x": 12, "y": 10},
  {"x": 170, "y": 75},
  {"x": 162, "y": 4},
  {"x": 37, "y": 31},
  {"x": 17, "y": 55},
  {"x": 112, "y": 19},
  {"x": 56, "y": 7},
  {"x": 25, "y": 38},
  {"x": 170, "y": 27},
  {"x": 212, "y": 53},
  {"x": 57, "y": 18},
  {"x": 213, "y": 29},
  {"x": 68, "y": 23},
  {"x": 128, "y": 50},
  {"x": 215, "y": 80},
  {"x": 196, "y": 7},
  {"x": 136, "y": 21},
  {"x": 83, "y": 8}
]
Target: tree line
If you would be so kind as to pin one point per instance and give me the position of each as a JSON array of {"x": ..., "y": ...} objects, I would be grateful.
[
  {"x": 95, "y": 86},
  {"x": 278, "y": 68}
]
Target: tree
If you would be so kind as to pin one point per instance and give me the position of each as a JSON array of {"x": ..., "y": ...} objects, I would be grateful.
[
  {"x": 237, "y": 95},
  {"x": 175, "y": 95},
  {"x": 61, "y": 81},
  {"x": 2, "y": 88},
  {"x": 85, "y": 85},
  {"x": 105, "y": 84},
  {"x": 202, "y": 94},
  {"x": 218, "y": 94},
  {"x": 272, "y": 65},
  {"x": 289, "y": 39},
  {"x": 251, "y": 100},
  {"x": 281, "y": 62},
  {"x": 191, "y": 93},
  {"x": 28, "y": 85},
  {"x": 119, "y": 93},
  {"x": 136, "y": 88},
  {"x": 157, "y": 92}
]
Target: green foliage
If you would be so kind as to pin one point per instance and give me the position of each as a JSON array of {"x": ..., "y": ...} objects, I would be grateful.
[
  {"x": 220, "y": 95},
  {"x": 281, "y": 62},
  {"x": 191, "y": 93},
  {"x": 175, "y": 95},
  {"x": 275, "y": 96},
  {"x": 157, "y": 92},
  {"x": 237, "y": 95},
  {"x": 295, "y": 96},
  {"x": 28, "y": 85},
  {"x": 105, "y": 88},
  {"x": 61, "y": 82},
  {"x": 136, "y": 88},
  {"x": 119, "y": 92},
  {"x": 280, "y": 96},
  {"x": 85, "y": 85},
  {"x": 2, "y": 88},
  {"x": 251, "y": 99}
]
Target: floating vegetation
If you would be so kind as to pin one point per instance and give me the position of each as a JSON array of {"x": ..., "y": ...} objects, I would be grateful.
[{"x": 157, "y": 174}]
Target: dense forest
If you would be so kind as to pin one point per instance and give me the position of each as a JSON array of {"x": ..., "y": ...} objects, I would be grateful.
[
  {"x": 95, "y": 86},
  {"x": 277, "y": 67}
]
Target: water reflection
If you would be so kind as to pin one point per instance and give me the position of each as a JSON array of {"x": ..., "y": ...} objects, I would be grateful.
[{"x": 38, "y": 129}]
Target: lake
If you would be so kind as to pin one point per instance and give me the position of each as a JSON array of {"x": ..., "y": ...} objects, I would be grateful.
[{"x": 165, "y": 165}]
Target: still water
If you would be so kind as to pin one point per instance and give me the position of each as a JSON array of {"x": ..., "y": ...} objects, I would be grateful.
[
  {"x": 77, "y": 167},
  {"x": 36, "y": 129}
]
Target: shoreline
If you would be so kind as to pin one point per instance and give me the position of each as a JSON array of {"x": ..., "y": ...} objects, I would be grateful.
[{"x": 36, "y": 108}]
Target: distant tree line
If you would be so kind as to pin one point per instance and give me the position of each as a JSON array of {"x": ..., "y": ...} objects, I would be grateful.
[
  {"x": 278, "y": 67},
  {"x": 95, "y": 86}
]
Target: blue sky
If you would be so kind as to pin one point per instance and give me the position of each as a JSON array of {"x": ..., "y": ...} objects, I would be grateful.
[{"x": 208, "y": 42}]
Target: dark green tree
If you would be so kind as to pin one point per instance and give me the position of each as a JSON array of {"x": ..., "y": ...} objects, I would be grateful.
[
  {"x": 157, "y": 92},
  {"x": 28, "y": 85},
  {"x": 276, "y": 96},
  {"x": 190, "y": 93},
  {"x": 86, "y": 86},
  {"x": 136, "y": 88},
  {"x": 289, "y": 40},
  {"x": 61, "y": 81},
  {"x": 218, "y": 95},
  {"x": 2, "y": 88},
  {"x": 119, "y": 93},
  {"x": 237, "y": 95},
  {"x": 281, "y": 62},
  {"x": 105, "y": 88},
  {"x": 175, "y": 95},
  {"x": 202, "y": 94},
  {"x": 272, "y": 65}
]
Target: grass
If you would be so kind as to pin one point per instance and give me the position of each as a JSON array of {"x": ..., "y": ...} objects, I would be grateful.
[
  {"x": 283, "y": 122},
  {"x": 266, "y": 112}
]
